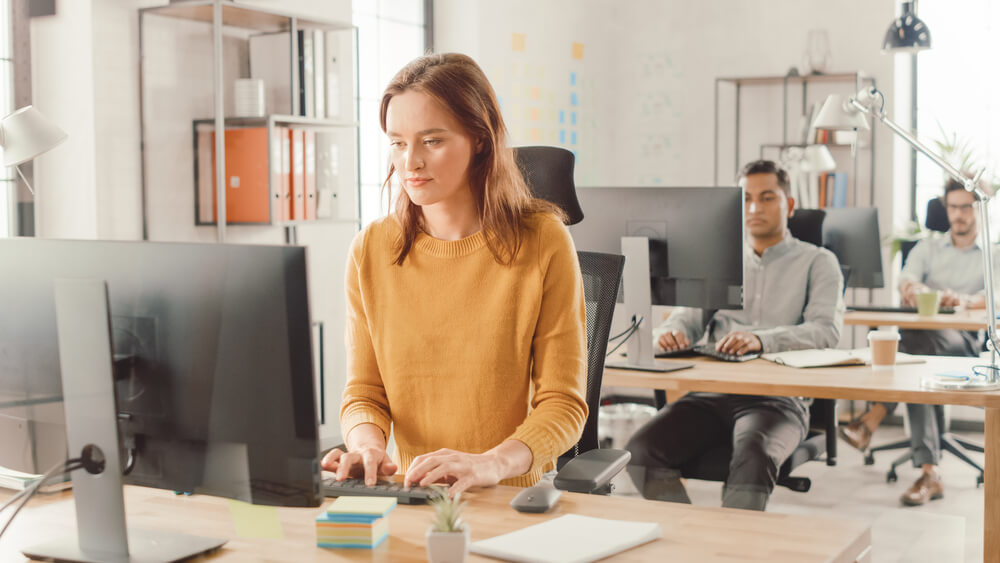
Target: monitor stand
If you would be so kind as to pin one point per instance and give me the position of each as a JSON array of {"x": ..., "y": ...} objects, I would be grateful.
[
  {"x": 639, "y": 305},
  {"x": 84, "y": 328}
]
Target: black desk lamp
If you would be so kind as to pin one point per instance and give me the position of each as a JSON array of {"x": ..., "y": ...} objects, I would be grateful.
[{"x": 548, "y": 172}]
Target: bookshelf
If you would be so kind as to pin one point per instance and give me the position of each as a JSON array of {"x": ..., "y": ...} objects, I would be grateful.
[
  {"x": 190, "y": 54},
  {"x": 759, "y": 116},
  {"x": 319, "y": 100}
]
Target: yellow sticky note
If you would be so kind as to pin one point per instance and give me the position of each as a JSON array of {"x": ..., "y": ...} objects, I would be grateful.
[
  {"x": 578, "y": 51},
  {"x": 254, "y": 521},
  {"x": 517, "y": 42}
]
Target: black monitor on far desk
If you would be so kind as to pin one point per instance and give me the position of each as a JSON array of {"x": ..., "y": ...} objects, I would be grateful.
[
  {"x": 206, "y": 358},
  {"x": 682, "y": 246},
  {"x": 852, "y": 234}
]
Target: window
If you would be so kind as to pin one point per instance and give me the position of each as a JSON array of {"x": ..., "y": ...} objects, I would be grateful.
[
  {"x": 957, "y": 89},
  {"x": 390, "y": 34},
  {"x": 8, "y": 195}
]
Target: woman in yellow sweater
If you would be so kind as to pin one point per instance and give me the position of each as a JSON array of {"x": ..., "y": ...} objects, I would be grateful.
[{"x": 466, "y": 329}]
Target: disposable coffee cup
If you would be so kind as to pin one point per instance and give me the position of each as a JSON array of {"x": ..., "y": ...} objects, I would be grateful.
[
  {"x": 927, "y": 303},
  {"x": 883, "y": 345}
]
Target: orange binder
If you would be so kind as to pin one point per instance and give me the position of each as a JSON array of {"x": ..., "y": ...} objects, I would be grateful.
[
  {"x": 247, "y": 197},
  {"x": 310, "y": 174},
  {"x": 298, "y": 175}
]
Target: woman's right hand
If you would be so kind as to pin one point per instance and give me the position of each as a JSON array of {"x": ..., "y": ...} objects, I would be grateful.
[{"x": 368, "y": 463}]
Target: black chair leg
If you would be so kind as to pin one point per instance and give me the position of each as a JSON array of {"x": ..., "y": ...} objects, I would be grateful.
[
  {"x": 973, "y": 446},
  {"x": 659, "y": 398},
  {"x": 948, "y": 443},
  {"x": 870, "y": 453},
  {"x": 891, "y": 476}
]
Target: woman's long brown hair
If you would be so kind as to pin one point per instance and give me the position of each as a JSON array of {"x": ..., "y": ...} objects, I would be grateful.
[{"x": 502, "y": 198}]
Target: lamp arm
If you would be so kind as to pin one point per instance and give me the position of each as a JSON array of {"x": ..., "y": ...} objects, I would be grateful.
[{"x": 972, "y": 186}]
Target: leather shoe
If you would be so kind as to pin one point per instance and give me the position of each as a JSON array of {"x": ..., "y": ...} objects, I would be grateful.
[
  {"x": 927, "y": 487},
  {"x": 856, "y": 434}
]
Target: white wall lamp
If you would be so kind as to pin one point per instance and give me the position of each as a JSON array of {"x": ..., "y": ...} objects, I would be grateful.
[{"x": 24, "y": 135}]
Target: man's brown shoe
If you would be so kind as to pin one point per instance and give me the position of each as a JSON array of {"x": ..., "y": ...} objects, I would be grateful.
[
  {"x": 927, "y": 487},
  {"x": 856, "y": 434}
]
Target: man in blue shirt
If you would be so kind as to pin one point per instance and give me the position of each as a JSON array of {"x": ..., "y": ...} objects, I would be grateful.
[
  {"x": 952, "y": 265},
  {"x": 792, "y": 299}
]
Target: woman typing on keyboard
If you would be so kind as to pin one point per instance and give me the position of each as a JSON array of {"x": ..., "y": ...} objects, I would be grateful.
[{"x": 465, "y": 314}]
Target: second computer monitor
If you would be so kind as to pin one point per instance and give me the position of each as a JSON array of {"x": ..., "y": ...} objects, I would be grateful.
[
  {"x": 852, "y": 234},
  {"x": 695, "y": 239}
]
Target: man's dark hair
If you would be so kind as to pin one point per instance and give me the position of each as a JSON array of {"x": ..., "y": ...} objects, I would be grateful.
[
  {"x": 953, "y": 185},
  {"x": 768, "y": 167}
]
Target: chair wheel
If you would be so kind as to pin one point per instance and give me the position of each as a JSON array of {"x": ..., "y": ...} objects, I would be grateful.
[
  {"x": 869, "y": 459},
  {"x": 891, "y": 476}
]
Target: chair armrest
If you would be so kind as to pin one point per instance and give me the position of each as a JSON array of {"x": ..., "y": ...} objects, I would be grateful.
[{"x": 590, "y": 471}]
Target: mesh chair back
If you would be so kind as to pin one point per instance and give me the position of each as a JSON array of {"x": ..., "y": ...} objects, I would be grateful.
[{"x": 601, "y": 276}]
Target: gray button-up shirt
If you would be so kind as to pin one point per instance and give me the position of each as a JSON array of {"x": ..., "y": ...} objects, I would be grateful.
[
  {"x": 936, "y": 263},
  {"x": 792, "y": 300}
]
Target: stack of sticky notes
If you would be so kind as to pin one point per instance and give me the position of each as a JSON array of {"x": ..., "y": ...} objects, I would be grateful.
[{"x": 358, "y": 522}]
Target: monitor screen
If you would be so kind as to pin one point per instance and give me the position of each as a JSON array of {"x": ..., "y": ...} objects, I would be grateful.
[
  {"x": 852, "y": 234},
  {"x": 213, "y": 361},
  {"x": 695, "y": 239}
]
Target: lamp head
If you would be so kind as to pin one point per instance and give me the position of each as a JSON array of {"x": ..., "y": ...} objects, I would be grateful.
[
  {"x": 838, "y": 113},
  {"x": 27, "y": 133},
  {"x": 907, "y": 33}
]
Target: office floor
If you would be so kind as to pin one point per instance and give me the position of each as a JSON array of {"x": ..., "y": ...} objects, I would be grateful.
[{"x": 949, "y": 529}]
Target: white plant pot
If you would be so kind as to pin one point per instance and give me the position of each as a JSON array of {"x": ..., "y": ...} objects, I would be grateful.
[{"x": 447, "y": 547}]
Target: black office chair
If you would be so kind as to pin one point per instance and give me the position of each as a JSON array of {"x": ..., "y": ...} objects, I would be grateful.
[
  {"x": 936, "y": 220},
  {"x": 807, "y": 225},
  {"x": 548, "y": 171}
]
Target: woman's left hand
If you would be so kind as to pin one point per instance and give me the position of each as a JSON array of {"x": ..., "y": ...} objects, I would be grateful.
[{"x": 459, "y": 469}]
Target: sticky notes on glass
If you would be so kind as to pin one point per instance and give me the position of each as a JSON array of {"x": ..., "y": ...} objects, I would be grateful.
[
  {"x": 518, "y": 42},
  {"x": 255, "y": 521},
  {"x": 578, "y": 51}
]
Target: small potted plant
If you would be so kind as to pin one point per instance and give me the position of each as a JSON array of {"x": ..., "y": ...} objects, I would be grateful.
[{"x": 448, "y": 535}]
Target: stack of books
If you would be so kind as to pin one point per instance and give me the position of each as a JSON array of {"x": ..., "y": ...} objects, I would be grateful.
[{"x": 355, "y": 522}]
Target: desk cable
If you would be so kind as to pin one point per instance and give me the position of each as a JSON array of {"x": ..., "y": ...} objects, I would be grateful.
[
  {"x": 625, "y": 335},
  {"x": 24, "y": 495}
]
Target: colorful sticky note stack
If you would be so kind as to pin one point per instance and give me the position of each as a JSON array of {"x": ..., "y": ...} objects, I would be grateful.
[{"x": 357, "y": 522}]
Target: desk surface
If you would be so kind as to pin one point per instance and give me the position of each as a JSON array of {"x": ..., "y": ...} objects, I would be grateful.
[
  {"x": 761, "y": 377},
  {"x": 960, "y": 320},
  {"x": 902, "y": 383},
  {"x": 690, "y": 533}
]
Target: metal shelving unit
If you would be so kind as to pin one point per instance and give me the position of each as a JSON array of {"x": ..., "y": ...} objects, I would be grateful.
[
  {"x": 227, "y": 14},
  {"x": 851, "y": 83}
]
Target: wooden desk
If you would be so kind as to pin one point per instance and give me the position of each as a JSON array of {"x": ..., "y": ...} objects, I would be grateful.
[
  {"x": 961, "y": 320},
  {"x": 690, "y": 533},
  {"x": 760, "y": 377}
]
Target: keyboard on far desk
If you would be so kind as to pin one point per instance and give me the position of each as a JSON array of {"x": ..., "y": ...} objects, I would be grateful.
[
  {"x": 708, "y": 350},
  {"x": 893, "y": 309},
  {"x": 358, "y": 488}
]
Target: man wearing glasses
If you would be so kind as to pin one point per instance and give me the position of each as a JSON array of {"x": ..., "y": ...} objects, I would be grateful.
[{"x": 952, "y": 265}]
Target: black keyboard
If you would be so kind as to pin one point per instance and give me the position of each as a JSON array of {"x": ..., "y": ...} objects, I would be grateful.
[
  {"x": 358, "y": 488},
  {"x": 891, "y": 309},
  {"x": 710, "y": 351},
  {"x": 678, "y": 353}
]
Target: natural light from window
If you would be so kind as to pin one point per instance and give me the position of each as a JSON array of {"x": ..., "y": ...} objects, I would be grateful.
[{"x": 958, "y": 89}]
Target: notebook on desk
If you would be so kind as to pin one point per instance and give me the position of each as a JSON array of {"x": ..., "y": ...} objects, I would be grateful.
[
  {"x": 568, "y": 539},
  {"x": 832, "y": 357}
]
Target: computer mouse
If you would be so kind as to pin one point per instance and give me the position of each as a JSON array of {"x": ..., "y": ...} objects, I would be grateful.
[{"x": 539, "y": 498}]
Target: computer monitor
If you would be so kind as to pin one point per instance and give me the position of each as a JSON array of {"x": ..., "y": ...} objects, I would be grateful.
[
  {"x": 682, "y": 246},
  {"x": 212, "y": 359},
  {"x": 852, "y": 234}
]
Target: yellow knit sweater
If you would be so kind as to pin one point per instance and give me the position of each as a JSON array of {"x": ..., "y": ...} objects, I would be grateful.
[{"x": 453, "y": 350}]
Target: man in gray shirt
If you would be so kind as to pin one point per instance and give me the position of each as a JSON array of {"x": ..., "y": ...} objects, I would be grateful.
[
  {"x": 952, "y": 265},
  {"x": 792, "y": 299}
]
